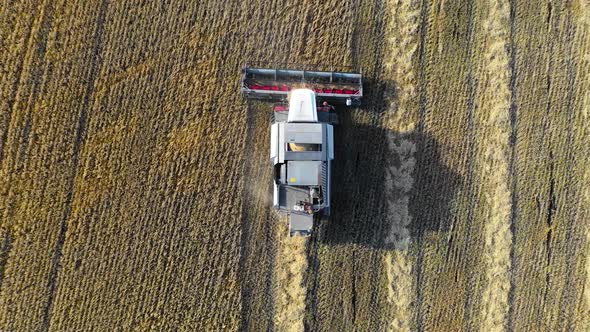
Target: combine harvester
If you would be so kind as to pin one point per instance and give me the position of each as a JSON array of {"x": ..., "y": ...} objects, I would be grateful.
[{"x": 302, "y": 137}]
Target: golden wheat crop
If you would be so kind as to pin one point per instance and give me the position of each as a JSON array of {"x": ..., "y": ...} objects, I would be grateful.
[{"x": 135, "y": 181}]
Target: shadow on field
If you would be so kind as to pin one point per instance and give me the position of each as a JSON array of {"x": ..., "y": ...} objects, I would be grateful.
[{"x": 388, "y": 188}]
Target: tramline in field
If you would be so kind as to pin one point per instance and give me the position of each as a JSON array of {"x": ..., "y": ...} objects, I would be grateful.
[{"x": 302, "y": 136}]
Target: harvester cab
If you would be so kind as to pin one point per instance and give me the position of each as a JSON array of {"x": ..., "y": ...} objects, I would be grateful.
[{"x": 302, "y": 135}]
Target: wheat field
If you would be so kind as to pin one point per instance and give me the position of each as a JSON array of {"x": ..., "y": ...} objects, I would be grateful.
[{"x": 135, "y": 185}]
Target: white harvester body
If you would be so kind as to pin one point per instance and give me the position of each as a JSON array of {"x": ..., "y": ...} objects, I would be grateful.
[
  {"x": 302, "y": 136},
  {"x": 302, "y": 106}
]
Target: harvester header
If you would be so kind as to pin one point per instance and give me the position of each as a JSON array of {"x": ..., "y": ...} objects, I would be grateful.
[
  {"x": 302, "y": 136},
  {"x": 275, "y": 84}
]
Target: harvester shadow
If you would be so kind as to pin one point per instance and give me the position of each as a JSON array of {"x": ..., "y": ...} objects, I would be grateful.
[
  {"x": 388, "y": 188},
  {"x": 389, "y": 192}
]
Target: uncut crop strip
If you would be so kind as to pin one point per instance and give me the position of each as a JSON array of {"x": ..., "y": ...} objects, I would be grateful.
[
  {"x": 347, "y": 243},
  {"x": 260, "y": 226},
  {"x": 548, "y": 223},
  {"x": 355, "y": 230},
  {"x": 449, "y": 237},
  {"x": 342, "y": 294}
]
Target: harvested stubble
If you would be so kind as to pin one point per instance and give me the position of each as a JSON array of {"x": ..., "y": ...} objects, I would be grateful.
[
  {"x": 492, "y": 118},
  {"x": 547, "y": 218},
  {"x": 290, "y": 288},
  {"x": 399, "y": 264}
]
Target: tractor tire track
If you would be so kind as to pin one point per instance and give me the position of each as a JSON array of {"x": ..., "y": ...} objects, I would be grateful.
[
  {"x": 5, "y": 248},
  {"x": 420, "y": 145},
  {"x": 512, "y": 173},
  {"x": 18, "y": 82}
]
